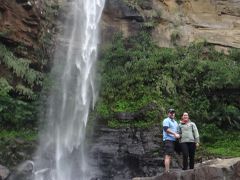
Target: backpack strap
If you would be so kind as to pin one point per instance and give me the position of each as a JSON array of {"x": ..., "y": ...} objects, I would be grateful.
[{"x": 193, "y": 131}]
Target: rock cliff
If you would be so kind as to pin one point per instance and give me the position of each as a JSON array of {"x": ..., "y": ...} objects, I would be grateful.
[
  {"x": 124, "y": 153},
  {"x": 26, "y": 27},
  {"x": 176, "y": 22},
  {"x": 19, "y": 22}
]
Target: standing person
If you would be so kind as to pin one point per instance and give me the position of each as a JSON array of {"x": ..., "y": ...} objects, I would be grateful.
[
  {"x": 188, "y": 141},
  {"x": 170, "y": 135}
]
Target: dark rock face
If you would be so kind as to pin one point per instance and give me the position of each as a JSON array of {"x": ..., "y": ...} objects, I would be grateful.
[
  {"x": 15, "y": 151},
  {"x": 119, "y": 17},
  {"x": 119, "y": 9},
  {"x": 124, "y": 153}
]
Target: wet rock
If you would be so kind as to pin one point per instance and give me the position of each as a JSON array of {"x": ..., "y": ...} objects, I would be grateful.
[
  {"x": 23, "y": 172},
  {"x": 119, "y": 17},
  {"x": 15, "y": 151},
  {"x": 121, "y": 10},
  {"x": 125, "y": 153},
  {"x": 4, "y": 172},
  {"x": 28, "y": 5}
]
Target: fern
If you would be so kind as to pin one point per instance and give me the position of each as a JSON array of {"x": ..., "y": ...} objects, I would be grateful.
[
  {"x": 4, "y": 87},
  {"x": 20, "y": 67},
  {"x": 26, "y": 92}
]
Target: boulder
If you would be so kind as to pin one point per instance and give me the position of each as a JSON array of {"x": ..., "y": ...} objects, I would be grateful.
[
  {"x": 218, "y": 169},
  {"x": 4, "y": 172},
  {"x": 23, "y": 172}
]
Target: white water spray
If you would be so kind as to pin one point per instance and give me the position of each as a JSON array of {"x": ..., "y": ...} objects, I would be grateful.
[{"x": 61, "y": 153}]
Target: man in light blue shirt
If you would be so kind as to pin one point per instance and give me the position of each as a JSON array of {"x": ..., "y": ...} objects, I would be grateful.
[{"x": 170, "y": 135}]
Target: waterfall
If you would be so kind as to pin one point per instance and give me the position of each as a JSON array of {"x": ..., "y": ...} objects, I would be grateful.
[{"x": 61, "y": 153}]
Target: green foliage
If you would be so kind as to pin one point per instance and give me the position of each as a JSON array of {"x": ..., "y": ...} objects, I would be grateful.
[
  {"x": 25, "y": 134},
  {"x": 209, "y": 133},
  {"x": 196, "y": 79},
  {"x": 149, "y": 24},
  {"x": 26, "y": 92},
  {"x": 219, "y": 142},
  {"x": 235, "y": 55},
  {"x": 4, "y": 87},
  {"x": 175, "y": 37},
  {"x": 151, "y": 19},
  {"x": 15, "y": 113},
  {"x": 51, "y": 10},
  {"x": 20, "y": 67},
  {"x": 133, "y": 3},
  {"x": 228, "y": 146},
  {"x": 21, "y": 78},
  {"x": 139, "y": 124}
]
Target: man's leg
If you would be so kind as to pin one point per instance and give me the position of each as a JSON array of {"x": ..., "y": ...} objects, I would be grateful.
[
  {"x": 169, "y": 151},
  {"x": 167, "y": 161}
]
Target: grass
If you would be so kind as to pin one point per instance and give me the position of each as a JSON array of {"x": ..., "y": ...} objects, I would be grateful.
[
  {"x": 225, "y": 148},
  {"x": 225, "y": 145},
  {"x": 25, "y": 134}
]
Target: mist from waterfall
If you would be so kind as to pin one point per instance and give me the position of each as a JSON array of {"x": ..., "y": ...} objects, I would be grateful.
[{"x": 61, "y": 154}]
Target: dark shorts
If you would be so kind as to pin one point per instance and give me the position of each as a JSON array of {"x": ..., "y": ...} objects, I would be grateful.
[{"x": 169, "y": 147}]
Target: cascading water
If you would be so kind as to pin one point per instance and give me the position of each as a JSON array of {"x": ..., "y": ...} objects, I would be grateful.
[{"x": 61, "y": 153}]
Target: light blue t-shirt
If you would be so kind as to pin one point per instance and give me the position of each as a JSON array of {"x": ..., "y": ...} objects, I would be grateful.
[{"x": 173, "y": 125}]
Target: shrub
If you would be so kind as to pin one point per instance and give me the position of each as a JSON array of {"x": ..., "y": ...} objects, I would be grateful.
[{"x": 196, "y": 79}]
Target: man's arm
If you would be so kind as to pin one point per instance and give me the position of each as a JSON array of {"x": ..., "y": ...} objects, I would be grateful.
[{"x": 168, "y": 130}]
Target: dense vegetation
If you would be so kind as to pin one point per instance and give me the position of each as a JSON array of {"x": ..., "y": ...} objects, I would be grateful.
[
  {"x": 196, "y": 79},
  {"x": 17, "y": 96},
  {"x": 23, "y": 76},
  {"x": 22, "y": 73}
]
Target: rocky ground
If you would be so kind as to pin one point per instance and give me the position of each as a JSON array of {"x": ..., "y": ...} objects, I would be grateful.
[{"x": 218, "y": 169}]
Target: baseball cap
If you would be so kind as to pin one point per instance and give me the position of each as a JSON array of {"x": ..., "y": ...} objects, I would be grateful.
[{"x": 171, "y": 110}]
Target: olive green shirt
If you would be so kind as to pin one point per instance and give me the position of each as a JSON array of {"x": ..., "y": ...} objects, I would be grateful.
[{"x": 188, "y": 132}]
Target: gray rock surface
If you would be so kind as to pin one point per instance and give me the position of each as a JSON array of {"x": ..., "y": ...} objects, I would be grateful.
[
  {"x": 124, "y": 153},
  {"x": 219, "y": 169},
  {"x": 4, "y": 172}
]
